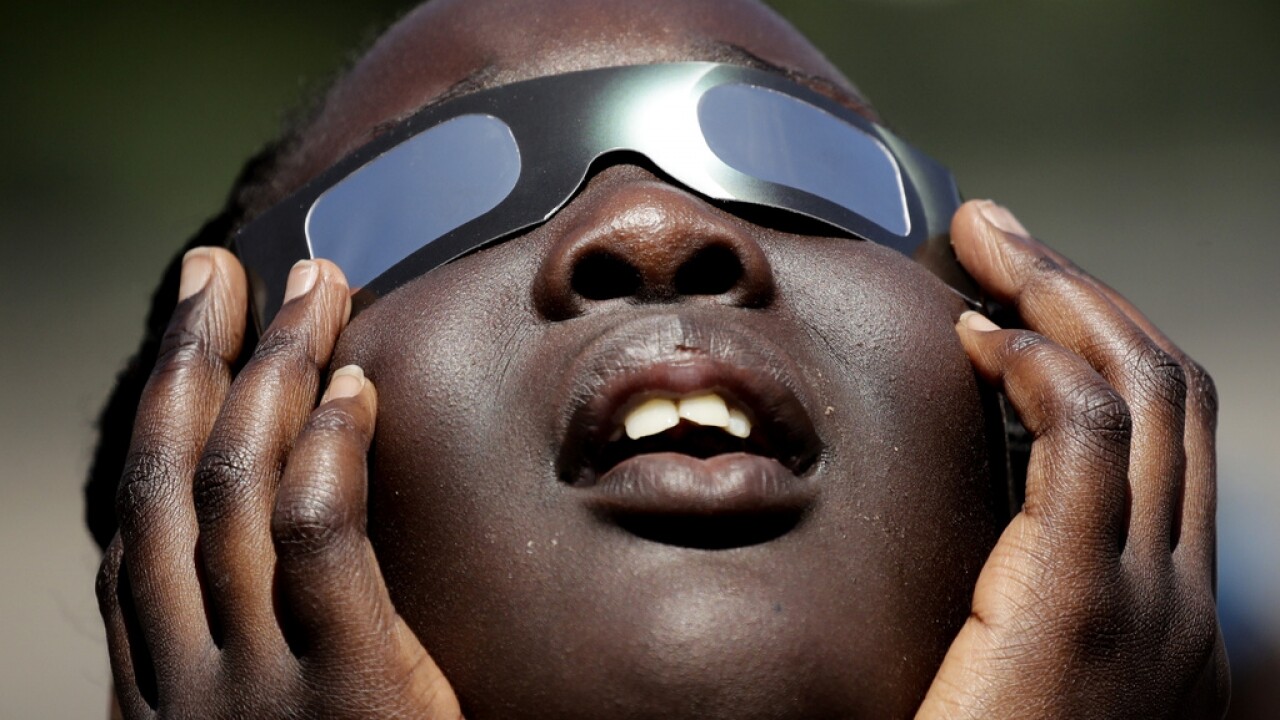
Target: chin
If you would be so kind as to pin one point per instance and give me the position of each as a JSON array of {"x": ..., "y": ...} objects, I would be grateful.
[{"x": 701, "y": 652}]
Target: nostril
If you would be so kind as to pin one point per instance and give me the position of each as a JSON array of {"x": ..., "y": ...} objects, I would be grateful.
[
  {"x": 713, "y": 270},
  {"x": 604, "y": 276}
]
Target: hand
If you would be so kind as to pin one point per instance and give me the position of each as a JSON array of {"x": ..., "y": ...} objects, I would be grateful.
[
  {"x": 1098, "y": 599},
  {"x": 241, "y": 583}
]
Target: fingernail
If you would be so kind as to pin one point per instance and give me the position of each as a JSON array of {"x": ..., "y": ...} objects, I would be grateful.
[
  {"x": 347, "y": 382},
  {"x": 197, "y": 268},
  {"x": 977, "y": 322},
  {"x": 301, "y": 279},
  {"x": 1002, "y": 219}
]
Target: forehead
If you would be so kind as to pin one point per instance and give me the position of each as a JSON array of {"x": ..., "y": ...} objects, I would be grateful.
[{"x": 494, "y": 42}]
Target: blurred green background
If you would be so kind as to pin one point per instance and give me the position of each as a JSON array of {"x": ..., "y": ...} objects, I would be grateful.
[{"x": 1141, "y": 137}]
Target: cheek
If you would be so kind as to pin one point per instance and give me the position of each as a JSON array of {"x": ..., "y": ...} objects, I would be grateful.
[
  {"x": 913, "y": 429},
  {"x": 453, "y": 502},
  {"x": 885, "y": 327},
  {"x": 438, "y": 350}
]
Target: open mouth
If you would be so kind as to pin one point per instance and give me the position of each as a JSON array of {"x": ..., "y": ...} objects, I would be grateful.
[
  {"x": 703, "y": 425},
  {"x": 692, "y": 450}
]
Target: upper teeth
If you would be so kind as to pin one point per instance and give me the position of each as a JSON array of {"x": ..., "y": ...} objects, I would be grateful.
[{"x": 707, "y": 408}]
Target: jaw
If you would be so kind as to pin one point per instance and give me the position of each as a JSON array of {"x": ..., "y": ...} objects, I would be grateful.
[{"x": 568, "y": 615}]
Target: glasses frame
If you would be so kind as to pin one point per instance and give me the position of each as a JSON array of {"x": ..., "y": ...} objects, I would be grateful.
[{"x": 564, "y": 125}]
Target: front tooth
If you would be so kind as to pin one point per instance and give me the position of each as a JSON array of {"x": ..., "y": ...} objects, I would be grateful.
[
  {"x": 739, "y": 425},
  {"x": 708, "y": 409},
  {"x": 651, "y": 417}
]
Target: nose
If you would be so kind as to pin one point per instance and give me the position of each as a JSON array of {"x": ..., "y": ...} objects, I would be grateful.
[{"x": 646, "y": 241}]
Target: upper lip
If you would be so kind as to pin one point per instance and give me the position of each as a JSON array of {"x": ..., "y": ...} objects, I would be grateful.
[{"x": 678, "y": 355}]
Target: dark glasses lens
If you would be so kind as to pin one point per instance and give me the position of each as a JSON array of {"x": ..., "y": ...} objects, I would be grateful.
[
  {"x": 414, "y": 194},
  {"x": 784, "y": 140},
  {"x": 450, "y": 179}
]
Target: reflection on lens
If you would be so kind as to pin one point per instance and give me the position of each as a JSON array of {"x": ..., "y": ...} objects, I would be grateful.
[
  {"x": 784, "y": 140},
  {"x": 413, "y": 194}
]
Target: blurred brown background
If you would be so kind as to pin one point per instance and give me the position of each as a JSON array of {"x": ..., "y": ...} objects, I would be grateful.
[{"x": 1141, "y": 137}]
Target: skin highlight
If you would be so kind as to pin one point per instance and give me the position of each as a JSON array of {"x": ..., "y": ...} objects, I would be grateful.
[{"x": 529, "y": 601}]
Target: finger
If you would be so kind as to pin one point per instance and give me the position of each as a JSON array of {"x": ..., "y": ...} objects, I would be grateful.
[
  {"x": 1076, "y": 479},
  {"x": 176, "y": 410},
  {"x": 1121, "y": 303},
  {"x": 326, "y": 570},
  {"x": 1195, "y": 528},
  {"x": 237, "y": 476},
  {"x": 1197, "y": 542},
  {"x": 1064, "y": 305},
  {"x": 131, "y": 667},
  {"x": 329, "y": 578}
]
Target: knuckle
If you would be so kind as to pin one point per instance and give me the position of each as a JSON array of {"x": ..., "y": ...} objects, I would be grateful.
[
  {"x": 1199, "y": 629},
  {"x": 308, "y": 523},
  {"x": 1099, "y": 629},
  {"x": 1077, "y": 400},
  {"x": 222, "y": 480},
  {"x": 1047, "y": 277},
  {"x": 334, "y": 421},
  {"x": 281, "y": 358},
  {"x": 1024, "y": 346},
  {"x": 1160, "y": 373},
  {"x": 183, "y": 350},
  {"x": 107, "y": 579},
  {"x": 1044, "y": 266},
  {"x": 1097, "y": 410},
  {"x": 1197, "y": 651},
  {"x": 147, "y": 484},
  {"x": 1202, "y": 391},
  {"x": 286, "y": 345}
]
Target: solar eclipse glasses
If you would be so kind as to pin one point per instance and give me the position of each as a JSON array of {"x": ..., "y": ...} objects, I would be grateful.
[{"x": 474, "y": 170}]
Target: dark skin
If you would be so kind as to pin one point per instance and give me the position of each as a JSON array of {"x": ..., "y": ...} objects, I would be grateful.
[{"x": 504, "y": 586}]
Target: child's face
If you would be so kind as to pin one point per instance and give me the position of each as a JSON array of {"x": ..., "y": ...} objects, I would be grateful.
[{"x": 839, "y": 578}]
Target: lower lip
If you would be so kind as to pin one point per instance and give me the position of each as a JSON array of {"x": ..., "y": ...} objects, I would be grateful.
[{"x": 675, "y": 484}]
